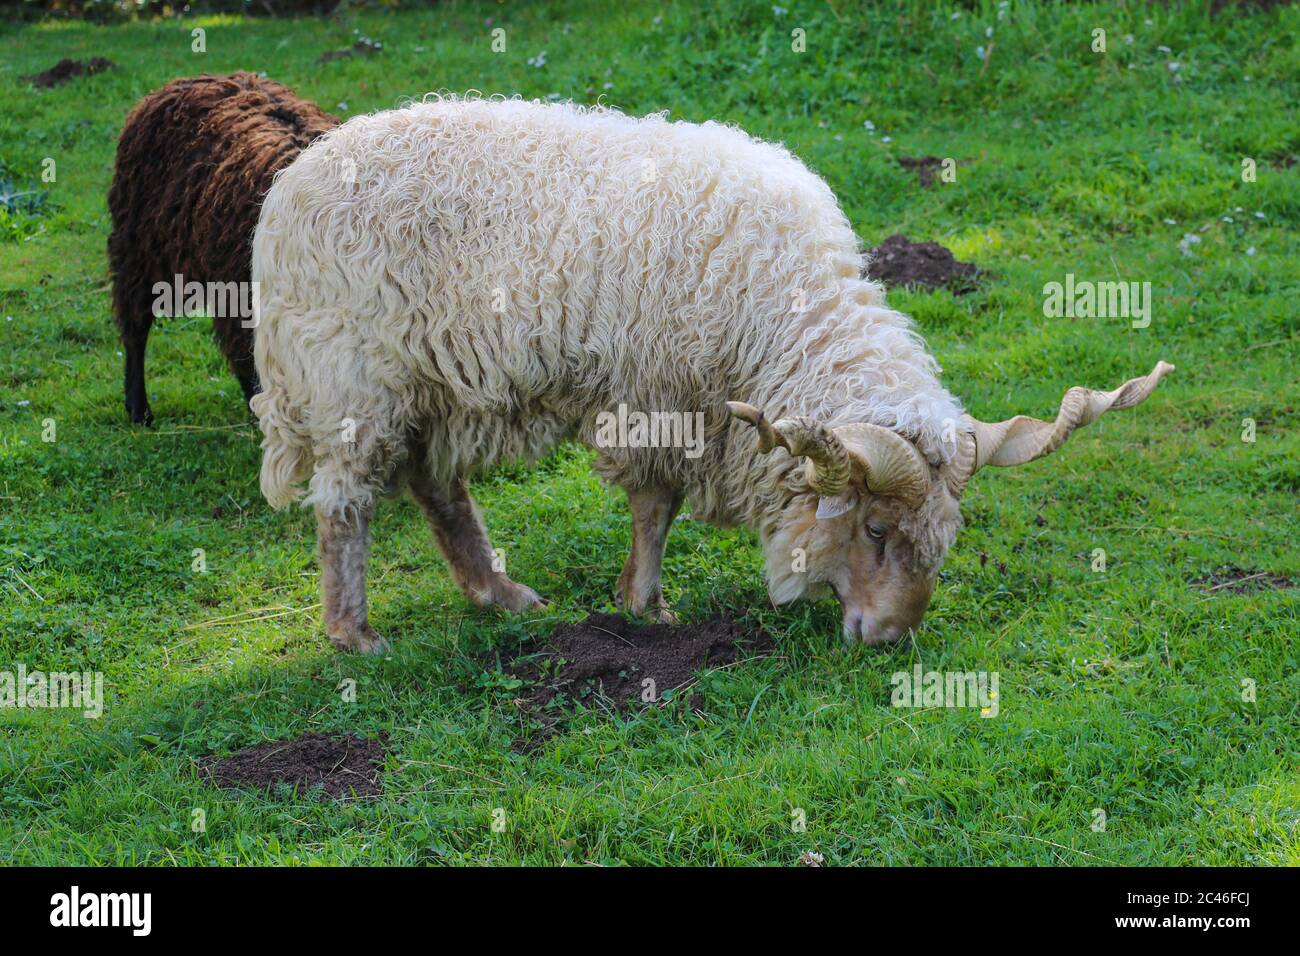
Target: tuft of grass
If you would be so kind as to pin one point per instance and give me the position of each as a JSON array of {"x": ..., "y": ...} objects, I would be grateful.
[{"x": 1133, "y": 690}]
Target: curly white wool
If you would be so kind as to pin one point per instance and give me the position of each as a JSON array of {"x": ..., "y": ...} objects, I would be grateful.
[{"x": 478, "y": 279}]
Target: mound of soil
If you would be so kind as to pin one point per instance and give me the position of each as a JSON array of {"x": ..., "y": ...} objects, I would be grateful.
[
  {"x": 1236, "y": 580},
  {"x": 363, "y": 47},
  {"x": 608, "y": 661},
  {"x": 927, "y": 167},
  {"x": 899, "y": 261},
  {"x": 334, "y": 767},
  {"x": 1218, "y": 6},
  {"x": 66, "y": 70}
]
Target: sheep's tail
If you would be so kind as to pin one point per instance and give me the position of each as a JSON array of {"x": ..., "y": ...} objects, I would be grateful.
[{"x": 285, "y": 447}]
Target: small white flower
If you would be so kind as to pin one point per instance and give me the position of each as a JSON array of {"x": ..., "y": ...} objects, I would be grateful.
[
  {"x": 988, "y": 32},
  {"x": 956, "y": 15},
  {"x": 342, "y": 107},
  {"x": 1238, "y": 209},
  {"x": 657, "y": 20},
  {"x": 1173, "y": 66},
  {"x": 1227, "y": 219},
  {"x": 1250, "y": 251},
  {"x": 886, "y": 139},
  {"x": 1164, "y": 49},
  {"x": 778, "y": 11},
  {"x": 1171, "y": 222},
  {"x": 608, "y": 86},
  {"x": 1128, "y": 39},
  {"x": 1259, "y": 215},
  {"x": 979, "y": 52},
  {"x": 538, "y": 61},
  {"x": 1189, "y": 239},
  {"x": 869, "y": 126}
]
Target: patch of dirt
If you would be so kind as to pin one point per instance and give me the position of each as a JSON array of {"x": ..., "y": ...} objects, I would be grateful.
[
  {"x": 927, "y": 167},
  {"x": 899, "y": 261},
  {"x": 333, "y": 767},
  {"x": 363, "y": 47},
  {"x": 1234, "y": 580},
  {"x": 1218, "y": 6},
  {"x": 66, "y": 70},
  {"x": 607, "y": 660}
]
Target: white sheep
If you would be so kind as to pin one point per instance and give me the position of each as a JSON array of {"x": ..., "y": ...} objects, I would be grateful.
[{"x": 463, "y": 282}]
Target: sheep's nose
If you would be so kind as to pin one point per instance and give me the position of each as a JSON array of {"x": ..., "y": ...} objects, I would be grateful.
[{"x": 867, "y": 628}]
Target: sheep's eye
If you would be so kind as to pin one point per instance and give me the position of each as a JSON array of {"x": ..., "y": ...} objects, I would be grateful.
[{"x": 876, "y": 531}]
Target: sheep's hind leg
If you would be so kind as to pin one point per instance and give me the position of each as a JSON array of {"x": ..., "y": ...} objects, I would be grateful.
[
  {"x": 639, "y": 589},
  {"x": 247, "y": 376},
  {"x": 344, "y": 545},
  {"x": 134, "y": 342},
  {"x": 458, "y": 528}
]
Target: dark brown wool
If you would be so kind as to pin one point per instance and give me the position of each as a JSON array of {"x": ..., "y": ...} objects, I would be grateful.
[{"x": 193, "y": 164}]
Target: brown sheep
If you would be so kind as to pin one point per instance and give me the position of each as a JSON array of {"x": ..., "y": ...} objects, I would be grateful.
[{"x": 193, "y": 163}]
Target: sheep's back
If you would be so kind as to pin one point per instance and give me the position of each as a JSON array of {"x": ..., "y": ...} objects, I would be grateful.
[
  {"x": 193, "y": 162},
  {"x": 524, "y": 255}
]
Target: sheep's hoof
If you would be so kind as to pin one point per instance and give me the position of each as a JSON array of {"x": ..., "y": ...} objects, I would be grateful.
[
  {"x": 510, "y": 596},
  {"x": 660, "y": 614},
  {"x": 362, "y": 640},
  {"x": 653, "y": 610}
]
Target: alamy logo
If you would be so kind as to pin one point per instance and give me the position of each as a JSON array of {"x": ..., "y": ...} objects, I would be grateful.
[
  {"x": 218, "y": 300},
  {"x": 1084, "y": 299},
  {"x": 626, "y": 429},
  {"x": 103, "y": 909},
  {"x": 41, "y": 691},
  {"x": 946, "y": 689}
]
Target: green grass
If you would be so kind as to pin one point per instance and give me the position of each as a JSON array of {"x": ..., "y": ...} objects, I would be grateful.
[{"x": 1119, "y": 690}]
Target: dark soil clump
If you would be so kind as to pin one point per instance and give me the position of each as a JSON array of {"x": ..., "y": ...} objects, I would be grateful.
[
  {"x": 612, "y": 663},
  {"x": 925, "y": 166},
  {"x": 363, "y": 47},
  {"x": 333, "y": 767},
  {"x": 1245, "y": 6},
  {"x": 1234, "y": 580},
  {"x": 66, "y": 70},
  {"x": 899, "y": 261}
]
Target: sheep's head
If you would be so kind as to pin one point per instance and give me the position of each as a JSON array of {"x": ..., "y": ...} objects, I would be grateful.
[{"x": 872, "y": 520}]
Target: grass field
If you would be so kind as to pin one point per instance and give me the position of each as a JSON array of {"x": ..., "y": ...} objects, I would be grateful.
[{"x": 1120, "y": 690}]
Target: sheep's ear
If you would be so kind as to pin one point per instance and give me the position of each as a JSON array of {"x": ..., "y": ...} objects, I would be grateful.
[{"x": 834, "y": 507}]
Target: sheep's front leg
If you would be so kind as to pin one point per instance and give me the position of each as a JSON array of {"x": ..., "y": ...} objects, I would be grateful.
[
  {"x": 458, "y": 528},
  {"x": 639, "y": 590},
  {"x": 344, "y": 546}
]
